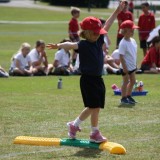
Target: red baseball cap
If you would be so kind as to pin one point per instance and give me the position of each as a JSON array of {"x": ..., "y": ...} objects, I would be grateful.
[
  {"x": 94, "y": 24},
  {"x": 128, "y": 24}
]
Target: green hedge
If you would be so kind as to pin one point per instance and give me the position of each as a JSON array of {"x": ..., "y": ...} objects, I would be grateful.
[{"x": 79, "y": 3}]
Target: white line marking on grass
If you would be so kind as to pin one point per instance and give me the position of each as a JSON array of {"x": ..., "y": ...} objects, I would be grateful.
[
  {"x": 31, "y": 33},
  {"x": 33, "y": 22},
  {"x": 27, "y": 153}
]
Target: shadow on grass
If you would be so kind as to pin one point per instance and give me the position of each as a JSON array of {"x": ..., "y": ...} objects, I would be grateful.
[
  {"x": 88, "y": 153},
  {"x": 126, "y": 105}
]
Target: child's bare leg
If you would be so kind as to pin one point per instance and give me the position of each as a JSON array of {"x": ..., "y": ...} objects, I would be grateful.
[
  {"x": 124, "y": 86},
  {"x": 94, "y": 112},
  {"x": 96, "y": 135},
  {"x": 94, "y": 117},
  {"x": 131, "y": 84},
  {"x": 74, "y": 125}
]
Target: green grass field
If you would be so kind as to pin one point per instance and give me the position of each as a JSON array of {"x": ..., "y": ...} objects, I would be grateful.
[{"x": 33, "y": 106}]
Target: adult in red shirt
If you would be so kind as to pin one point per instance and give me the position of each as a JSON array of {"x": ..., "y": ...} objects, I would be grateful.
[
  {"x": 123, "y": 16},
  {"x": 151, "y": 61},
  {"x": 146, "y": 23}
]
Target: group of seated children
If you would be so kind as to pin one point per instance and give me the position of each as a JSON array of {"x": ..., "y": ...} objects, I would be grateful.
[{"x": 27, "y": 62}]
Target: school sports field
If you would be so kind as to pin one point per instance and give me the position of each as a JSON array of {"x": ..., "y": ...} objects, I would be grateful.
[{"x": 33, "y": 106}]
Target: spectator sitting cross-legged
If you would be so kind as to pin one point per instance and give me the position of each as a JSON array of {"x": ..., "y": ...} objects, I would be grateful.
[
  {"x": 39, "y": 59},
  {"x": 21, "y": 64},
  {"x": 62, "y": 61}
]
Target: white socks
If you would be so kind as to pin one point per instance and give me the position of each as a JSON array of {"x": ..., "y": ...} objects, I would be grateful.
[
  {"x": 114, "y": 70},
  {"x": 77, "y": 122},
  {"x": 94, "y": 129}
]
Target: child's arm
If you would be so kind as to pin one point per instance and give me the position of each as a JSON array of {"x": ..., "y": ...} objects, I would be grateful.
[
  {"x": 125, "y": 70},
  {"x": 66, "y": 45},
  {"x": 111, "y": 19}
]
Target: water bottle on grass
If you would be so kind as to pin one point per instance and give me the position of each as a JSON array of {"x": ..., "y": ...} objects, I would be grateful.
[{"x": 59, "y": 84}]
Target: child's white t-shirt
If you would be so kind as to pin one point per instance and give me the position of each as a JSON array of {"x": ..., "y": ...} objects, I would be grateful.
[
  {"x": 62, "y": 57},
  {"x": 77, "y": 62},
  {"x": 115, "y": 54},
  {"x": 35, "y": 56},
  {"x": 129, "y": 50},
  {"x": 23, "y": 61}
]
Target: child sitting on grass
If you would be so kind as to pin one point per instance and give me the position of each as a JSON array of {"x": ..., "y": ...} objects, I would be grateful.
[
  {"x": 21, "y": 63},
  {"x": 151, "y": 62}
]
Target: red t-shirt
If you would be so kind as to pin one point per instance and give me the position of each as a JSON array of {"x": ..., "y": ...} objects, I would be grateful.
[
  {"x": 123, "y": 16},
  {"x": 73, "y": 27},
  {"x": 146, "y": 24},
  {"x": 152, "y": 56}
]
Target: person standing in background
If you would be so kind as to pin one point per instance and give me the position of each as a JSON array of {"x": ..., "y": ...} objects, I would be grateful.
[
  {"x": 131, "y": 6},
  {"x": 73, "y": 28},
  {"x": 146, "y": 23},
  {"x": 122, "y": 16},
  {"x": 128, "y": 59}
]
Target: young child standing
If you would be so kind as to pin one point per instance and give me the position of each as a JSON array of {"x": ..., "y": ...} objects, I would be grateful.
[
  {"x": 73, "y": 28},
  {"x": 146, "y": 23},
  {"x": 91, "y": 65},
  {"x": 128, "y": 59},
  {"x": 73, "y": 24},
  {"x": 124, "y": 15}
]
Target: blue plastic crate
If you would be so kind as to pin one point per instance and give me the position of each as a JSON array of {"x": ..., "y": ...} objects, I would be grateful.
[{"x": 134, "y": 93}]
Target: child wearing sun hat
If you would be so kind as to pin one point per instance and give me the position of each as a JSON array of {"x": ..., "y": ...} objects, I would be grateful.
[
  {"x": 128, "y": 59},
  {"x": 91, "y": 66}
]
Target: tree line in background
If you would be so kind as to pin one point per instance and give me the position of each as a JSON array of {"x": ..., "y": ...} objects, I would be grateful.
[{"x": 80, "y": 3}]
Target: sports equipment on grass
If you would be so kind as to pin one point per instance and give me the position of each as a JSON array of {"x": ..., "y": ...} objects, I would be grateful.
[
  {"x": 134, "y": 93},
  {"x": 113, "y": 148}
]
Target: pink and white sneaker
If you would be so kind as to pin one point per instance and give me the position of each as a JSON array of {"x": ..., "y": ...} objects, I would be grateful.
[
  {"x": 72, "y": 130},
  {"x": 97, "y": 137}
]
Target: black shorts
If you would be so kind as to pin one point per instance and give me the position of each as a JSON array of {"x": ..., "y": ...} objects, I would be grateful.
[
  {"x": 130, "y": 72},
  {"x": 118, "y": 40},
  {"x": 93, "y": 91},
  {"x": 144, "y": 44}
]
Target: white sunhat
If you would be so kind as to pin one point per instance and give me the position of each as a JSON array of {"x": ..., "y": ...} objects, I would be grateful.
[{"x": 153, "y": 33}]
